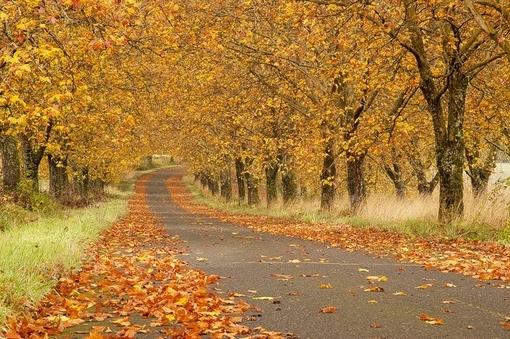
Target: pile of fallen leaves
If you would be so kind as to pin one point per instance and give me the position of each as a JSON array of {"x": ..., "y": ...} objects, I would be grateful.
[
  {"x": 132, "y": 284},
  {"x": 482, "y": 260}
]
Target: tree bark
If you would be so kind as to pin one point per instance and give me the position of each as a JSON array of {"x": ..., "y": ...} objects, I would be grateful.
[
  {"x": 212, "y": 183},
  {"x": 480, "y": 170},
  {"x": 271, "y": 189},
  {"x": 356, "y": 181},
  {"x": 328, "y": 177},
  {"x": 289, "y": 187},
  {"x": 394, "y": 172},
  {"x": 448, "y": 128},
  {"x": 252, "y": 189},
  {"x": 450, "y": 153},
  {"x": 31, "y": 160},
  {"x": 59, "y": 182},
  {"x": 226, "y": 185},
  {"x": 10, "y": 163},
  {"x": 241, "y": 187}
]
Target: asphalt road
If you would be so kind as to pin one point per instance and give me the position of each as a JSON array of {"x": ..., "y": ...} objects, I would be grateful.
[{"x": 250, "y": 260}]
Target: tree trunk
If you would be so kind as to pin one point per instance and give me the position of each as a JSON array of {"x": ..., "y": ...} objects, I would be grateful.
[
  {"x": 241, "y": 187},
  {"x": 31, "y": 159},
  {"x": 289, "y": 187},
  {"x": 213, "y": 185},
  {"x": 226, "y": 185},
  {"x": 81, "y": 185},
  {"x": 252, "y": 189},
  {"x": 450, "y": 153},
  {"x": 356, "y": 181},
  {"x": 10, "y": 163},
  {"x": 59, "y": 183},
  {"x": 271, "y": 189},
  {"x": 328, "y": 177},
  {"x": 425, "y": 187},
  {"x": 480, "y": 170},
  {"x": 394, "y": 172}
]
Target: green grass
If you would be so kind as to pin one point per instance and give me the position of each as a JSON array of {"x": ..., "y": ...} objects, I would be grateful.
[
  {"x": 34, "y": 255},
  {"x": 413, "y": 227}
]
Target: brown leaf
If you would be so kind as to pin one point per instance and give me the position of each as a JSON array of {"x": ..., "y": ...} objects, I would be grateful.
[
  {"x": 374, "y": 289},
  {"x": 328, "y": 309},
  {"x": 431, "y": 320}
]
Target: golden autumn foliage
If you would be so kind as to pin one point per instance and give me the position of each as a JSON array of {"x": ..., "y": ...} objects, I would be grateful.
[{"x": 323, "y": 96}]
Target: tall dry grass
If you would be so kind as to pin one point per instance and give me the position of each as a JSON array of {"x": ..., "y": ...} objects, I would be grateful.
[{"x": 486, "y": 217}]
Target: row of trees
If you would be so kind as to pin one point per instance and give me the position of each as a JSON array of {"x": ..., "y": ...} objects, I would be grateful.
[
  {"x": 319, "y": 95},
  {"x": 77, "y": 88},
  {"x": 327, "y": 94}
]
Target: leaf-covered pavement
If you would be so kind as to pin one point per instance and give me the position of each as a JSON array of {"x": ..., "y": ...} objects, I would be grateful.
[
  {"x": 481, "y": 260},
  {"x": 133, "y": 285}
]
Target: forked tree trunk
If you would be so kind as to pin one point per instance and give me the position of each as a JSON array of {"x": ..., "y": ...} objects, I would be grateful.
[
  {"x": 356, "y": 181},
  {"x": 271, "y": 189},
  {"x": 394, "y": 172},
  {"x": 10, "y": 163},
  {"x": 241, "y": 187},
  {"x": 480, "y": 170},
  {"x": 328, "y": 177}
]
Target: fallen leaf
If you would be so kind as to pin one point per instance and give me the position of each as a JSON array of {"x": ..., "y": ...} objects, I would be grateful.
[
  {"x": 424, "y": 286},
  {"x": 262, "y": 298},
  {"x": 448, "y": 302},
  {"x": 363, "y": 270},
  {"x": 283, "y": 277},
  {"x": 326, "y": 286},
  {"x": 374, "y": 289},
  {"x": 328, "y": 309},
  {"x": 450, "y": 285},
  {"x": 381, "y": 278},
  {"x": 431, "y": 320},
  {"x": 400, "y": 293}
]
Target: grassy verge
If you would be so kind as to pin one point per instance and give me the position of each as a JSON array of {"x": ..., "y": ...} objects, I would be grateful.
[
  {"x": 35, "y": 255},
  {"x": 419, "y": 226}
]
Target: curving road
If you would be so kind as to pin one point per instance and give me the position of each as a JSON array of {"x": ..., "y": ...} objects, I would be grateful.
[{"x": 250, "y": 260}]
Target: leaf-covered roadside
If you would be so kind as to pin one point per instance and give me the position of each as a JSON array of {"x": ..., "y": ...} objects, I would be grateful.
[
  {"x": 131, "y": 285},
  {"x": 481, "y": 260}
]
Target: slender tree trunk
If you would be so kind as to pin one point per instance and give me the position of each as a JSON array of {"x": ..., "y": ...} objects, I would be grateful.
[
  {"x": 213, "y": 185},
  {"x": 289, "y": 187},
  {"x": 203, "y": 180},
  {"x": 31, "y": 159},
  {"x": 271, "y": 189},
  {"x": 226, "y": 185},
  {"x": 356, "y": 181},
  {"x": 241, "y": 187},
  {"x": 252, "y": 189},
  {"x": 81, "y": 185},
  {"x": 10, "y": 162},
  {"x": 59, "y": 183},
  {"x": 328, "y": 177}
]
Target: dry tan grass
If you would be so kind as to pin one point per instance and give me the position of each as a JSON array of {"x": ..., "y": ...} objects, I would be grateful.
[{"x": 414, "y": 214}]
